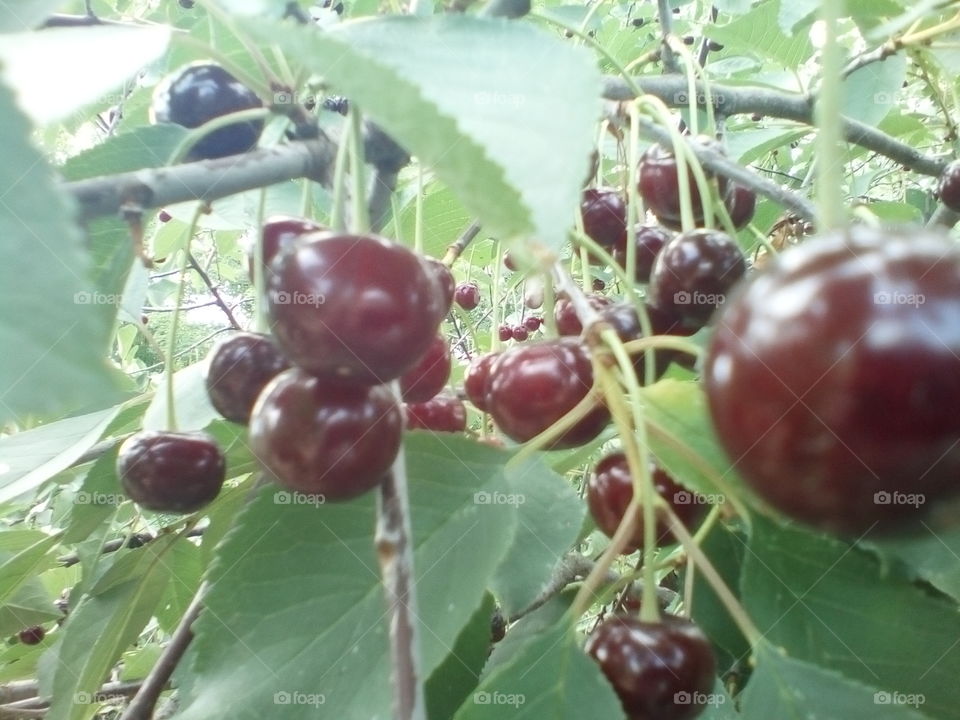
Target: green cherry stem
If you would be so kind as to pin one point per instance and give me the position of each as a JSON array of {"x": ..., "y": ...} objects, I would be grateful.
[
  {"x": 337, "y": 212},
  {"x": 259, "y": 281},
  {"x": 360, "y": 218},
  {"x": 829, "y": 147}
]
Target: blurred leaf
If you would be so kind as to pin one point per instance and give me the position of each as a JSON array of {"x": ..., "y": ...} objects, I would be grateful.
[
  {"x": 191, "y": 402},
  {"x": 873, "y": 90},
  {"x": 25, "y": 14},
  {"x": 28, "y": 563},
  {"x": 147, "y": 146},
  {"x": 758, "y": 32}
]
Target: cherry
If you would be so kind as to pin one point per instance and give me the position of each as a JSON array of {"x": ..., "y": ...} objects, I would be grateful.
[
  {"x": 659, "y": 184},
  {"x": 32, "y": 635},
  {"x": 508, "y": 262},
  {"x": 532, "y": 323},
  {"x": 170, "y": 471},
  {"x": 280, "y": 232},
  {"x": 566, "y": 316},
  {"x": 949, "y": 187},
  {"x": 604, "y": 217},
  {"x": 164, "y": 217},
  {"x": 429, "y": 375},
  {"x": 520, "y": 333},
  {"x": 240, "y": 367},
  {"x": 445, "y": 278},
  {"x": 199, "y": 93},
  {"x": 475, "y": 379},
  {"x": 649, "y": 240},
  {"x": 504, "y": 332},
  {"x": 741, "y": 203},
  {"x": 442, "y": 413},
  {"x": 833, "y": 378},
  {"x": 610, "y": 490},
  {"x": 356, "y": 307},
  {"x": 597, "y": 284},
  {"x": 325, "y": 437},
  {"x": 532, "y": 386},
  {"x": 660, "y": 671},
  {"x": 693, "y": 274},
  {"x": 467, "y": 295}
]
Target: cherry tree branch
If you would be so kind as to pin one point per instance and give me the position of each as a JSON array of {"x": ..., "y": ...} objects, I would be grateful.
[
  {"x": 217, "y": 297},
  {"x": 665, "y": 12}
]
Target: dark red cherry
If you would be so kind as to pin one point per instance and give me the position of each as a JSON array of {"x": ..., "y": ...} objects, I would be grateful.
[
  {"x": 508, "y": 262},
  {"x": 32, "y": 635},
  {"x": 566, "y": 316},
  {"x": 199, "y": 93},
  {"x": 356, "y": 307},
  {"x": 429, "y": 375},
  {"x": 442, "y": 413},
  {"x": 660, "y": 671},
  {"x": 741, "y": 203},
  {"x": 467, "y": 295},
  {"x": 280, "y": 232},
  {"x": 949, "y": 187},
  {"x": 445, "y": 278},
  {"x": 164, "y": 217},
  {"x": 532, "y": 323},
  {"x": 520, "y": 333},
  {"x": 170, "y": 471},
  {"x": 240, "y": 367},
  {"x": 693, "y": 274},
  {"x": 597, "y": 284},
  {"x": 610, "y": 490},
  {"x": 649, "y": 240},
  {"x": 504, "y": 332},
  {"x": 659, "y": 184},
  {"x": 475, "y": 379},
  {"x": 532, "y": 386},
  {"x": 325, "y": 437},
  {"x": 833, "y": 378},
  {"x": 604, "y": 217}
]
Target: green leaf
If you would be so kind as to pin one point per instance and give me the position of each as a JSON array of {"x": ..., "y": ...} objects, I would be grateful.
[
  {"x": 187, "y": 560},
  {"x": 444, "y": 218},
  {"x": 836, "y": 606},
  {"x": 29, "y": 458},
  {"x": 30, "y": 605},
  {"x": 873, "y": 90},
  {"x": 930, "y": 556},
  {"x": 458, "y": 675},
  {"x": 292, "y": 565},
  {"x": 24, "y": 565},
  {"x": 191, "y": 402},
  {"x": 50, "y": 91},
  {"x": 790, "y": 689},
  {"x": 96, "y": 500},
  {"x": 25, "y": 14},
  {"x": 548, "y": 677},
  {"x": 53, "y": 343},
  {"x": 477, "y": 99},
  {"x": 758, "y": 32},
  {"x": 550, "y": 516},
  {"x": 147, "y": 146},
  {"x": 793, "y": 12},
  {"x": 99, "y": 629}
]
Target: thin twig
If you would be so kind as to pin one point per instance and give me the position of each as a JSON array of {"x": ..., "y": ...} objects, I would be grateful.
[
  {"x": 117, "y": 543},
  {"x": 213, "y": 291},
  {"x": 666, "y": 28},
  {"x": 456, "y": 249}
]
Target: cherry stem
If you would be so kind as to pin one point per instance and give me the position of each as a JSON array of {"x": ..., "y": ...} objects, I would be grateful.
[
  {"x": 829, "y": 148},
  {"x": 418, "y": 216},
  {"x": 635, "y": 209},
  {"x": 259, "y": 281},
  {"x": 360, "y": 220},
  {"x": 337, "y": 212}
]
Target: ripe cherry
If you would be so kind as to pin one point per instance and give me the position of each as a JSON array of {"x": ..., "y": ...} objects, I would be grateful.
[
  {"x": 475, "y": 379},
  {"x": 356, "y": 307},
  {"x": 532, "y": 323},
  {"x": 660, "y": 671},
  {"x": 660, "y": 189},
  {"x": 280, "y": 232},
  {"x": 610, "y": 490},
  {"x": 693, "y": 274},
  {"x": 649, "y": 240},
  {"x": 199, "y": 93},
  {"x": 949, "y": 187},
  {"x": 325, "y": 437},
  {"x": 520, "y": 333},
  {"x": 833, "y": 378},
  {"x": 164, "y": 217},
  {"x": 467, "y": 295},
  {"x": 566, "y": 316},
  {"x": 32, "y": 635},
  {"x": 443, "y": 413},
  {"x": 532, "y": 386},
  {"x": 429, "y": 375},
  {"x": 170, "y": 471},
  {"x": 508, "y": 262},
  {"x": 604, "y": 217},
  {"x": 597, "y": 284},
  {"x": 741, "y": 203},
  {"x": 240, "y": 367},
  {"x": 505, "y": 332}
]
